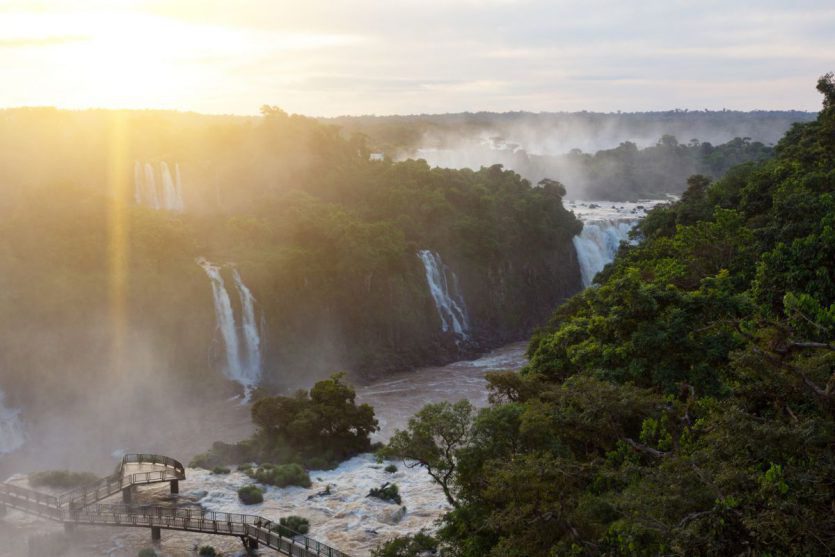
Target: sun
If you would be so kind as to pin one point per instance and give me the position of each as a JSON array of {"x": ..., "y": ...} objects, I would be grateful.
[{"x": 112, "y": 59}]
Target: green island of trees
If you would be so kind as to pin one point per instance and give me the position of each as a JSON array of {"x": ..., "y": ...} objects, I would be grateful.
[
  {"x": 685, "y": 405},
  {"x": 313, "y": 429}
]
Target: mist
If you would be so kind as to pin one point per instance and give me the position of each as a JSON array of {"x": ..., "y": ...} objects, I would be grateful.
[{"x": 581, "y": 149}]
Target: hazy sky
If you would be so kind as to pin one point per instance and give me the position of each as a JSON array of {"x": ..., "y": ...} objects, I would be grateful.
[{"x": 329, "y": 57}]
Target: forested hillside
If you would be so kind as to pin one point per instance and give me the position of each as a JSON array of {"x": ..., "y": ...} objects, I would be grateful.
[
  {"x": 325, "y": 240},
  {"x": 685, "y": 405},
  {"x": 618, "y": 157}
]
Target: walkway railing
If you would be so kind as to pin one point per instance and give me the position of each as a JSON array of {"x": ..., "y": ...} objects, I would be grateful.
[{"x": 81, "y": 506}]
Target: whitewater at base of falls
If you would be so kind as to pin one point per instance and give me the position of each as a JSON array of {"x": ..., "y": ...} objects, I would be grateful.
[
  {"x": 346, "y": 519},
  {"x": 11, "y": 428},
  {"x": 605, "y": 225},
  {"x": 446, "y": 293},
  {"x": 242, "y": 342}
]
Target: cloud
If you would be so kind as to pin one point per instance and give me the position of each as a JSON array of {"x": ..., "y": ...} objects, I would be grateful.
[
  {"x": 39, "y": 41},
  {"x": 406, "y": 56}
]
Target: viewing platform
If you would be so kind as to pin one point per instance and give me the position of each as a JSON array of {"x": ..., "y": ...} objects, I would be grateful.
[{"x": 82, "y": 506}]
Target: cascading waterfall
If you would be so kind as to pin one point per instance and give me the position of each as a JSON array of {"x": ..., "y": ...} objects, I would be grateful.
[
  {"x": 178, "y": 185},
  {"x": 137, "y": 182},
  {"x": 242, "y": 367},
  {"x": 598, "y": 244},
  {"x": 448, "y": 302},
  {"x": 605, "y": 226},
  {"x": 169, "y": 194},
  {"x": 11, "y": 428},
  {"x": 252, "y": 338},
  {"x": 151, "y": 187},
  {"x": 145, "y": 192}
]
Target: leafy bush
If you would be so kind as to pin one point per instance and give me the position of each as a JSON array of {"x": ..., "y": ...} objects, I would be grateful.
[
  {"x": 223, "y": 454},
  {"x": 61, "y": 479},
  {"x": 290, "y": 526},
  {"x": 280, "y": 475},
  {"x": 207, "y": 551},
  {"x": 147, "y": 552},
  {"x": 251, "y": 495},
  {"x": 391, "y": 468},
  {"x": 220, "y": 470},
  {"x": 387, "y": 492},
  {"x": 407, "y": 546}
]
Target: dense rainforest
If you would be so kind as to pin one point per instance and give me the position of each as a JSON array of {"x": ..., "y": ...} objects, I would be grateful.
[
  {"x": 618, "y": 157},
  {"x": 685, "y": 404},
  {"x": 103, "y": 283}
]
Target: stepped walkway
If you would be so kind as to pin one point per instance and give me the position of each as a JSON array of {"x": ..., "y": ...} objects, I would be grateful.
[{"x": 82, "y": 507}]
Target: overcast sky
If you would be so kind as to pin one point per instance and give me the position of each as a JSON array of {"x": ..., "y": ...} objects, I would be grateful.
[{"x": 330, "y": 57}]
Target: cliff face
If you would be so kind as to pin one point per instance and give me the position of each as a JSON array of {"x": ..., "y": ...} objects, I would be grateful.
[
  {"x": 99, "y": 272},
  {"x": 391, "y": 322}
]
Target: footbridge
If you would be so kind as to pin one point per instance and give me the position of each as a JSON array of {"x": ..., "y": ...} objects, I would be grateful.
[{"x": 82, "y": 506}]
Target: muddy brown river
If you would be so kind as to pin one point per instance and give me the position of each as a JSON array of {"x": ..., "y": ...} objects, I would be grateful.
[{"x": 345, "y": 518}]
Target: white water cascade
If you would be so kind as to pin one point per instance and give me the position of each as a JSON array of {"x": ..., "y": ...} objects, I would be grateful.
[
  {"x": 169, "y": 194},
  {"x": 242, "y": 343},
  {"x": 151, "y": 196},
  {"x": 137, "y": 182},
  {"x": 11, "y": 428},
  {"x": 252, "y": 337},
  {"x": 168, "y": 197},
  {"x": 605, "y": 226},
  {"x": 178, "y": 188},
  {"x": 448, "y": 301}
]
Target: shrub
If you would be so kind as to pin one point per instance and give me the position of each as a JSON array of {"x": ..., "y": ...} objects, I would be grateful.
[
  {"x": 391, "y": 468},
  {"x": 290, "y": 526},
  {"x": 281, "y": 475},
  {"x": 220, "y": 470},
  {"x": 407, "y": 546},
  {"x": 147, "y": 552},
  {"x": 386, "y": 492},
  {"x": 61, "y": 479},
  {"x": 207, "y": 551},
  {"x": 251, "y": 495}
]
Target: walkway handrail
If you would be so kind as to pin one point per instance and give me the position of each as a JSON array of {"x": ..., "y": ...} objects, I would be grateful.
[
  {"x": 81, "y": 505},
  {"x": 110, "y": 485},
  {"x": 29, "y": 494},
  {"x": 140, "y": 458}
]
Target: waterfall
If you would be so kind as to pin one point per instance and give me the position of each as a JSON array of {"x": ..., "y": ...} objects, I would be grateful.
[
  {"x": 449, "y": 303},
  {"x": 145, "y": 192},
  {"x": 137, "y": 182},
  {"x": 243, "y": 368},
  {"x": 11, "y": 428},
  {"x": 178, "y": 189},
  {"x": 169, "y": 194},
  {"x": 605, "y": 225},
  {"x": 598, "y": 244},
  {"x": 252, "y": 339},
  {"x": 151, "y": 187}
]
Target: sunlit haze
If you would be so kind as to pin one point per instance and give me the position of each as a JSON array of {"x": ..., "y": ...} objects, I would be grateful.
[{"x": 409, "y": 56}]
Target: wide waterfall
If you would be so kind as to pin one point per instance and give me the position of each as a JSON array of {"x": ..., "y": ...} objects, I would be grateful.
[
  {"x": 137, "y": 182},
  {"x": 151, "y": 196},
  {"x": 252, "y": 337},
  {"x": 178, "y": 189},
  {"x": 145, "y": 191},
  {"x": 605, "y": 226},
  {"x": 11, "y": 428},
  {"x": 448, "y": 301},
  {"x": 169, "y": 194},
  {"x": 242, "y": 342}
]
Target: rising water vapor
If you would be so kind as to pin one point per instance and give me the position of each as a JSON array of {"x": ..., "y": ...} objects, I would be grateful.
[{"x": 11, "y": 428}]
